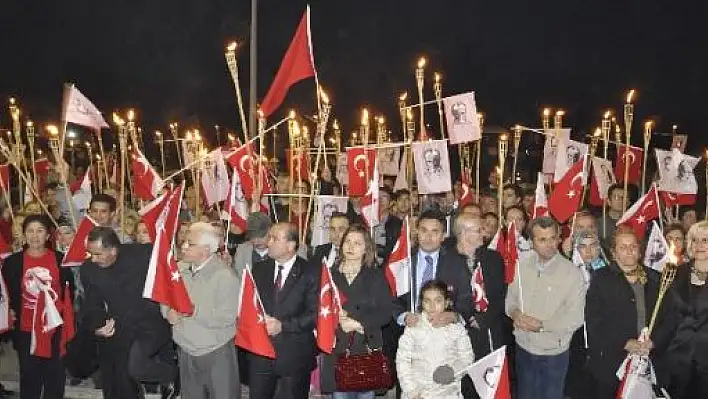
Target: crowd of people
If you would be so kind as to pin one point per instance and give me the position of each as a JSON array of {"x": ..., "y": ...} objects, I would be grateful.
[{"x": 578, "y": 300}]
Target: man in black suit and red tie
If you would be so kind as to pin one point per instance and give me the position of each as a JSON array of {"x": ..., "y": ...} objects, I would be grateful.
[{"x": 289, "y": 290}]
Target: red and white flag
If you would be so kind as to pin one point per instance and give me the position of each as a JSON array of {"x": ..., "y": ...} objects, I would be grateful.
[
  {"x": 150, "y": 213},
  {"x": 242, "y": 160},
  {"x": 370, "y": 208},
  {"x": 146, "y": 181},
  {"x": 68, "y": 332},
  {"x": 298, "y": 64},
  {"x": 251, "y": 332},
  {"x": 398, "y": 269},
  {"x": 568, "y": 192},
  {"x": 540, "y": 203},
  {"x": 569, "y": 152},
  {"x": 5, "y": 177},
  {"x": 510, "y": 254},
  {"x": 602, "y": 178},
  {"x": 467, "y": 196},
  {"x": 215, "y": 179},
  {"x": 46, "y": 317},
  {"x": 360, "y": 170},
  {"x": 163, "y": 282},
  {"x": 657, "y": 253},
  {"x": 77, "y": 254},
  {"x": 479, "y": 294},
  {"x": 6, "y": 320},
  {"x": 461, "y": 116},
  {"x": 328, "y": 311},
  {"x": 636, "y": 375},
  {"x": 490, "y": 375},
  {"x": 642, "y": 212},
  {"x": 672, "y": 199},
  {"x": 80, "y": 110},
  {"x": 298, "y": 165},
  {"x": 633, "y": 158},
  {"x": 5, "y": 248},
  {"x": 82, "y": 192},
  {"x": 235, "y": 207}
]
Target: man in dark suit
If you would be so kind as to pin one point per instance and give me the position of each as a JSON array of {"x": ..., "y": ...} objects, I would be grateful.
[
  {"x": 389, "y": 228},
  {"x": 338, "y": 225},
  {"x": 289, "y": 290}
]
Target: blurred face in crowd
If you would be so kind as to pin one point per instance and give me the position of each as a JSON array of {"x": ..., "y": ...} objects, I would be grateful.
[
  {"x": 434, "y": 302},
  {"x": 472, "y": 210},
  {"x": 103, "y": 257},
  {"x": 431, "y": 234},
  {"x": 279, "y": 248},
  {"x": 415, "y": 201},
  {"x": 17, "y": 226},
  {"x": 182, "y": 233},
  {"x": 326, "y": 174},
  {"x": 130, "y": 226},
  {"x": 141, "y": 234},
  {"x": 33, "y": 208},
  {"x": 101, "y": 213},
  {"x": 585, "y": 223},
  {"x": 337, "y": 227},
  {"x": 192, "y": 250},
  {"x": 688, "y": 219},
  {"x": 491, "y": 225},
  {"x": 65, "y": 235},
  {"x": 527, "y": 202},
  {"x": 260, "y": 243},
  {"x": 354, "y": 247},
  {"x": 36, "y": 235},
  {"x": 626, "y": 251},
  {"x": 509, "y": 197},
  {"x": 403, "y": 203},
  {"x": 589, "y": 249},
  {"x": 545, "y": 242},
  {"x": 517, "y": 217},
  {"x": 616, "y": 199},
  {"x": 699, "y": 246},
  {"x": 489, "y": 204},
  {"x": 469, "y": 238},
  {"x": 384, "y": 202},
  {"x": 676, "y": 238}
]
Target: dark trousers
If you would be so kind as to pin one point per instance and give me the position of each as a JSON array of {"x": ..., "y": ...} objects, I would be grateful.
[
  {"x": 540, "y": 376},
  {"x": 577, "y": 381},
  {"x": 266, "y": 383},
  {"x": 125, "y": 364},
  {"x": 38, "y": 374}
]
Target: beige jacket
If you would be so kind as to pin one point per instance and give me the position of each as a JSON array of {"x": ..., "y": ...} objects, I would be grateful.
[
  {"x": 555, "y": 296},
  {"x": 214, "y": 290},
  {"x": 424, "y": 348}
]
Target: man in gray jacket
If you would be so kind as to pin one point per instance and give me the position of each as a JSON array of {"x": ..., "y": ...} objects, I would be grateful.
[
  {"x": 255, "y": 249},
  {"x": 207, "y": 356},
  {"x": 546, "y": 301}
]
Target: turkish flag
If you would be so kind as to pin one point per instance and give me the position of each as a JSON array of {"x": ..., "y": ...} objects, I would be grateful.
[
  {"x": 242, "y": 160},
  {"x": 466, "y": 197},
  {"x": 510, "y": 254},
  {"x": 398, "y": 269},
  {"x": 163, "y": 282},
  {"x": 83, "y": 184},
  {"x": 146, "y": 181},
  {"x": 298, "y": 165},
  {"x": 5, "y": 177},
  {"x": 68, "y": 331},
  {"x": 671, "y": 199},
  {"x": 151, "y": 212},
  {"x": 479, "y": 294},
  {"x": 632, "y": 157},
  {"x": 642, "y": 212},
  {"x": 370, "y": 206},
  {"x": 360, "y": 169},
  {"x": 490, "y": 375},
  {"x": 298, "y": 64},
  {"x": 41, "y": 168},
  {"x": 568, "y": 192},
  {"x": 540, "y": 203},
  {"x": 77, "y": 254},
  {"x": 235, "y": 207},
  {"x": 328, "y": 311},
  {"x": 251, "y": 332}
]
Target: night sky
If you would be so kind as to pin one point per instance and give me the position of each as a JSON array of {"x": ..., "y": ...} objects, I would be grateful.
[{"x": 165, "y": 57}]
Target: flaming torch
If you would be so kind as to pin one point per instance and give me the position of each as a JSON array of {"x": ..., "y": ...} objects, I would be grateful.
[{"x": 668, "y": 273}]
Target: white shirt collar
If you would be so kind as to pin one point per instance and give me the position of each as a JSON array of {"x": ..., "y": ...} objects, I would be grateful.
[
  {"x": 261, "y": 252},
  {"x": 287, "y": 266}
]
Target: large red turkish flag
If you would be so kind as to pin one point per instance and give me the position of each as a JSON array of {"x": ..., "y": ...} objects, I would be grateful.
[
  {"x": 632, "y": 157},
  {"x": 327, "y": 312},
  {"x": 251, "y": 332},
  {"x": 568, "y": 193},
  {"x": 360, "y": 168},
  {"x": 641, "y": 213}
]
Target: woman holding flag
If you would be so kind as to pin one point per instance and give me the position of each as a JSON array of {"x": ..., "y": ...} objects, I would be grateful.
[
  {"x": 39, "y": 292},
  {"x": 366, "y": 306}
]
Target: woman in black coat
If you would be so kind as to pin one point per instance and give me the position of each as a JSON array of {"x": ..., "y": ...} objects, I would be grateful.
[
  {"x": 366, "y": 301},
  {"x": 42, "y": 372},
  {"x": 688, "y": 351},
  {"x": 615, "y": 318}
]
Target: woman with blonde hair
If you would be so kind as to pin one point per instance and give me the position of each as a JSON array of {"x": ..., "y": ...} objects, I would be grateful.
[{"x": 689, "y": 347}]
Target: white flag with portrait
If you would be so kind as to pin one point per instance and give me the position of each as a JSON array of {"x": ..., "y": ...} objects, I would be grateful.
[
  {"x": 342, "y": 170},
  {"x": 568, "y": 153},
  {"x": 553, "y": 136},
  {"x": 657, "y": 253},
  {"x": 215, "y": 178},
  {"x": 432, "y": 166},
  {"x": 604, "y": 175},
  {"x": 326, "y": 206},
  {"x": 388, "y": 159},
  {"x": 461, "y": 116},
  {"x": 676, "y": 172}
]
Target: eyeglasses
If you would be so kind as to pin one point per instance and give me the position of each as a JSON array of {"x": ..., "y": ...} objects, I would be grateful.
[
  {"x": 700, "y": 240},
  {"x": 628, "y": 248}
]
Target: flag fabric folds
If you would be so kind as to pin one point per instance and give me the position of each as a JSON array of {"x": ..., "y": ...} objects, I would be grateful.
[
  {"x": 603, "y": 177},
  {"x": 657, "y": 252},
  {"x": 328, "y": 311},
  {"x": 568, "y": 192},
  {"x": 490, "y": 375},
  {"x": 80, "y": 110},
  {"x": 540, "y": 203},
  {"x": 370, "y": 208},
  {"x": 77, "y": 254},
  {"x": 641, "y": 213},
  {"x": 251, "y": 332},
  {"x": 146, "y": 181},
  {"x": 235, "y": 207},
  {"x": 633, "y": 158},
  {"x": 360, "y": 170},
  {"x": 398, "y": 268}
]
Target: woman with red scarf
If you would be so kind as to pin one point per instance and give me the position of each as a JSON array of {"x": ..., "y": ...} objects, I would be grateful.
[{"x": 39, "y": 291}]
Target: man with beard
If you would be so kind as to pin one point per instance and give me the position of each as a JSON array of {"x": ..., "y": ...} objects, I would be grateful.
[{"x": 134, "y": 340}]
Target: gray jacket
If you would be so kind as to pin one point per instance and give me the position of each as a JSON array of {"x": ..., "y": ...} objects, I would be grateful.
[{"x": 214, "y": 290}]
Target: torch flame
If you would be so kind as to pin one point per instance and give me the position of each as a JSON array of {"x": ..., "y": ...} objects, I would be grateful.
[
  {"x": 259, "y": 112},
  {"x": 158, "y": 133},
  {"x": 117, "y": 119},
  {"x": 648, "y": 125},
  {"x": 546, "y": 112},
  {"x": 421, "y": 62},
  {"x": 607, "y": 115},
  {"x": 232, "y": 137},
  {"x": 705, "y": 153},
  {"x": 292, "y": 114},
  {"x": 365, "y": 117},
  {"x": 52, "y": 130},
  {"x": 437, "y": 77},
  {"x": 131, "y": 115},
  {"x": 630, "y": 95},
  {"x": 335, "y": 124},
  {"x": 30, "y": 123},
  {"x": 188, "y": 136},
  {"x": 325, "y": 98},
  {"x": 409, "y": 114},
  {"x": 88, "y": 145},
  {"x": 560, "y": 112},
  {"x": 12, "y": 100},
  {"x": 380, "y": 120},
  {"x": 403, "y": 96},
  {"x": 232, "y": 46},
  {"x": 597, "y": 132}
]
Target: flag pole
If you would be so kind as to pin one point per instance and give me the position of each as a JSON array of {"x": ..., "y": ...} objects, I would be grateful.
[
  {"x": 253, "y": 70},
  {"x": 517, "y": 142},
  {"x": 647, "y": 140},
  {"x": 605, "y": 128},
  {"x": 410, "y": 262},
  {"x": 594, "y": 140},
  {"x": 628, "y": 118},
  {"x": 437, "y": 89},
  {"x": 480, "y": 118},
  {"x": 503, "y": 148}
]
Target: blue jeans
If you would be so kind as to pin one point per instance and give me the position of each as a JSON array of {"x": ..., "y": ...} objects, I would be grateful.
[
  {"x": 540, "y": 376},
  {"x": 353, "y": 395}
]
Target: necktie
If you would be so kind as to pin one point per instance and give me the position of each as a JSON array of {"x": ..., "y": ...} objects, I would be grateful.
[
  {"x": 428, "y": 272},
  {"x": 279, "y": 278}
]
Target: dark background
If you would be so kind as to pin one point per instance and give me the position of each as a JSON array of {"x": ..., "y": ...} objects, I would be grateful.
[{"x": 165, "y": 57}]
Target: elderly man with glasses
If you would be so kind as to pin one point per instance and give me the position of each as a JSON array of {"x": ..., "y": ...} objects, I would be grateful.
[{"x": 207, "y": 356}]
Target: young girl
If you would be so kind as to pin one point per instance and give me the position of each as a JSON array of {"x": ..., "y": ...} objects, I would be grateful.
[{"x": 432, "y": 361}]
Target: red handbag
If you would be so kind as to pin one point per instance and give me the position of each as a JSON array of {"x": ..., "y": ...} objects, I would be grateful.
[{"x": 368, "y": 371}]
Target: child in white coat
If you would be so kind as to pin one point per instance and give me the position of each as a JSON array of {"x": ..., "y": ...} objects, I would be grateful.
[{"x": 432, "y": 361}]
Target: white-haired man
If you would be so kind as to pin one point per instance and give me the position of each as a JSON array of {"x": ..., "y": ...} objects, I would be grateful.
[{"x": 207, "y": 356}]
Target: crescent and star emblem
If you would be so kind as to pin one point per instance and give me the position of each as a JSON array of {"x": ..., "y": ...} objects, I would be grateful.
[
  {"x": 578, "y": 176},
  {"x": 242, "y": 161},
  {"x": 356, "y": 162},
  {"x": 629, "y": 154}
]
